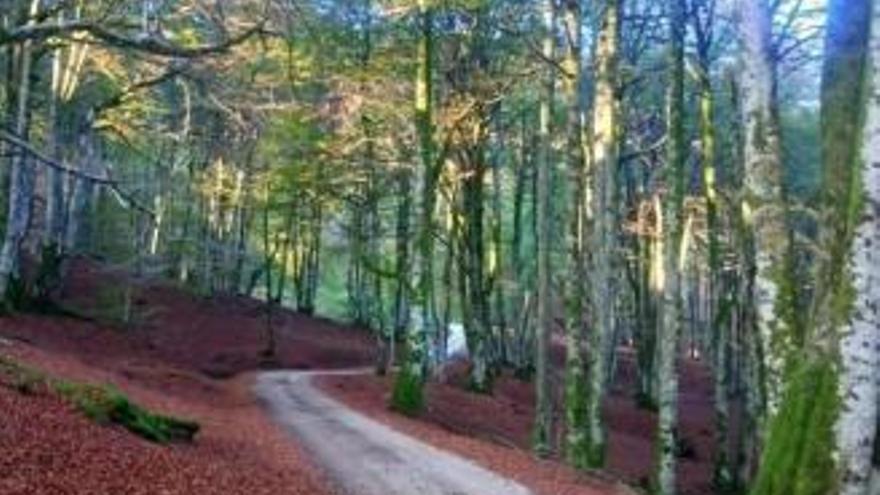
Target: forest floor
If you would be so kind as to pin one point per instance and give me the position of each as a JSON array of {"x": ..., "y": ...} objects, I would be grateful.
[
  {"x": 199, "y": 359},
  {"x": 190, "y": 358}
]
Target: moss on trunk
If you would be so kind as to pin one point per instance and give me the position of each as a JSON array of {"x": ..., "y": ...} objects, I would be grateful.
[{"x": 798, "y": 455}]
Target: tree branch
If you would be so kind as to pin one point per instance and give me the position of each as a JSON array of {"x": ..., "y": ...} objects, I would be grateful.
[
  {"x": 126, "y": 198},
  {"x": 147, "y": 44}
]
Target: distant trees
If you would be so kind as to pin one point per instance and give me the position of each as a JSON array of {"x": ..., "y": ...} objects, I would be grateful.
[{"x": 52, "y": 83}]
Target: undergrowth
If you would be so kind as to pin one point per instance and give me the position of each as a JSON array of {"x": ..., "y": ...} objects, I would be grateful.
[{"x": 103, "y": 404}]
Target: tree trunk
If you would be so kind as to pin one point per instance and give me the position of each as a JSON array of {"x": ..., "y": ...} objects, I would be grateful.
[
  {"x": 762, "y": 196},
  {"x": 521, "y": 353},
  {"x": 53, "y": 237},
  {"x": 496, "y": 265},
  {"x": 673, "y": 255},
  {"x": 431, "y": 173},
  {"x": 577, "y": 450},
  {"x": 850, "y": 23},
  {"x": 418, "y": 352},
  {"x": 604, "y": 143},
  {"x": 543, "y": 327},
  {"x": 475, "y": 304},
  {"x": 269, "y": 351},
  {"x": 402, "y": 272}
]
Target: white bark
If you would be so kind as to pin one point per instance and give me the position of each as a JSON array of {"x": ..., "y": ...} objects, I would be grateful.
[
  {"x": 860, "y": 344},
  {"x": 762, "y": 204},
  {"x": 667, "y": 393}
]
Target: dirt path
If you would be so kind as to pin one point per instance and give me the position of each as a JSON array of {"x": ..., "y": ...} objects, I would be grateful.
[{"x": 365, "y": 457}]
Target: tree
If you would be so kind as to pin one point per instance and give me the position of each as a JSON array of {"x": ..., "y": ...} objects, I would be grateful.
[
  {"x": 543, "y": 327},
  {"x": 762, "y": 195},
  {"x": 604, "y": 142},
  {"x": 577, "y": 448},
  {"x": 848, "y": 304},
  {"x": 673, "y": 242},
  {"x": 418, "y": 351}
]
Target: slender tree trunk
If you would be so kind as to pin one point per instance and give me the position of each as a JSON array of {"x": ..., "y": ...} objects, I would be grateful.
[
  {"x": 496, "y": 267},
  {"x": 431, "y": 174},
  {"x": 577, "y": 437},
  {"x": 671, "y": 311},
  {"x": 314, "y": 259},
  {"x": 543, "y": 328},
  {"x": 474, "y": 288},
  {"x": 418, "y": 352},
  {"x": 402, "y": 271},
  {"x": 243, "y": 219},
  {"x": 452, "y": 230},
  {"x": 604, "y": 143},
  {"x": 269, "y": 351},
  {"x": 646, "y": 342},
  {"x": 53, "y": 238},
  {"x": 521, "y": 353}
]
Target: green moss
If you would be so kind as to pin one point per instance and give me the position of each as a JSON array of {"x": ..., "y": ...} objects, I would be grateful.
[
  {"x": 16, "y": 297},
  {"x": 798, "y": 455},
  {"x": 580, "y": 451},
  {"x": 107, "y": 405},
  {"x": 101, "y": 403},
  {"x": 408, "y": 395}
]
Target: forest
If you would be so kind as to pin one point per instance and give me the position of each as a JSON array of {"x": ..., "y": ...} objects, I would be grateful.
[{"x": 627, "y": 218}]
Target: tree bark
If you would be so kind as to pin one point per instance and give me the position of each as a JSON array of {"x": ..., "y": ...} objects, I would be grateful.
[
  {"x": 577, "y": 449},
  {"x": 860, "y": 344},
  {"x": 603, "y": 136},
  {"x": 543, "y": 328},
  {"x": 672, "y": 221},
  {"x": 763, "y": 204}
]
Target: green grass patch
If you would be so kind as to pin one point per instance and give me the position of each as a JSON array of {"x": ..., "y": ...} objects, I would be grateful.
[{"x": 103, "y": 404}]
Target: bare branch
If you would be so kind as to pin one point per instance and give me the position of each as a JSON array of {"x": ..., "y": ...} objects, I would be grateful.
[{"x": 125, "y": 197}]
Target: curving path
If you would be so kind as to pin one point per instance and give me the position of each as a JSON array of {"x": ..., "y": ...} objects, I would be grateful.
[{"x": 365, "y": 457}]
